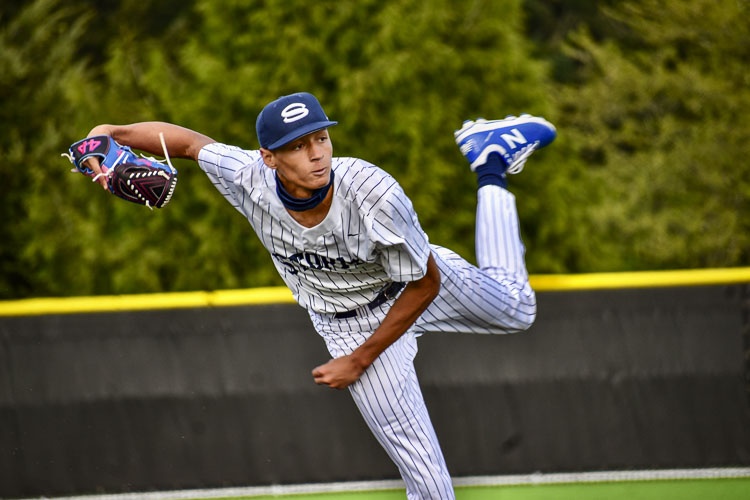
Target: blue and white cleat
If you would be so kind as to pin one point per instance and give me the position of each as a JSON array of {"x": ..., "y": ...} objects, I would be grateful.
[{"x": 513, "y": 138}]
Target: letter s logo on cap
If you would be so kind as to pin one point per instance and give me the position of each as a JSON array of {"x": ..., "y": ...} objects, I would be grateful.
[{"x": 295, "y": 111}]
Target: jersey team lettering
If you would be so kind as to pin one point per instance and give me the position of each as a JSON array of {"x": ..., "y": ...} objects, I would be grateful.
[{"x": 306, "y": 260}]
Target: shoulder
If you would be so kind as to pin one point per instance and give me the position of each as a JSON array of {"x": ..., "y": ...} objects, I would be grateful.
[
  {"x": 363, "y": 183},
  {"x": 230, "y": 162},
  {"x": 221, "y": 154}
]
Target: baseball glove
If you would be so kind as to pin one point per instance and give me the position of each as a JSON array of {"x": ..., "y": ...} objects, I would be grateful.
[{"x": 132, "y": 177}]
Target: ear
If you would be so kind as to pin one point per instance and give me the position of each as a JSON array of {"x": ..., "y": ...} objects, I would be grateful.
[{"x": 268, "y": 158}]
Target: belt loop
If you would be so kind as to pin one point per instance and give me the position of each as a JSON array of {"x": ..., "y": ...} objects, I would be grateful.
[{"x": 361, "y": 312}]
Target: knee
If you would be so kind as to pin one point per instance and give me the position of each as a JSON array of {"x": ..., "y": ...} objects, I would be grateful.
[
  {"x": 523, "y": 316},
  {"x": 528, "y": 319}
]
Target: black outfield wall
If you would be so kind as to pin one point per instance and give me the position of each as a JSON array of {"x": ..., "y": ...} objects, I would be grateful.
[{"x": 186, "y": 398}]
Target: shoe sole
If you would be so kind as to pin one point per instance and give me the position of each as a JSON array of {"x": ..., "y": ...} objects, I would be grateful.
[{"x": 472, "y": 127}]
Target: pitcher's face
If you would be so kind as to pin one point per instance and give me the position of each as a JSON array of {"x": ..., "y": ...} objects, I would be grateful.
[{"x": 304, "y": 164}]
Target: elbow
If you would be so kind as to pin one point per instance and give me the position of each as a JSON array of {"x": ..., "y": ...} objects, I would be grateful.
[
  {"x": 432, "y": 291},
  {"x": 427, "y": 288},
  {"x": 435, "y": 287},
  {"x": 433, "y": 278}
]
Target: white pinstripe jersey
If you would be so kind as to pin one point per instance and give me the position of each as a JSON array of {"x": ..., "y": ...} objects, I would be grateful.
[{"x": 370, "y": 237}]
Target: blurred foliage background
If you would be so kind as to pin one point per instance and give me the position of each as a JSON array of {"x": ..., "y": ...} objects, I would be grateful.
[{"x": 651, "y": 99}]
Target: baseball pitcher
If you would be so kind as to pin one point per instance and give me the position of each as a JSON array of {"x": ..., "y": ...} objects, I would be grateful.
[{"x": 348, "y": 243}]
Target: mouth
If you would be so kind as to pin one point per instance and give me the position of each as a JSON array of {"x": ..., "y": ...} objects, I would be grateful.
[{"x": 320, "y": 172}]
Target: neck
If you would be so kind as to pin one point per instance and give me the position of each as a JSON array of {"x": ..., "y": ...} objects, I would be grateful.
[
  {"x": 302, "y": 204},
  {"x": 313, "y": 216}
]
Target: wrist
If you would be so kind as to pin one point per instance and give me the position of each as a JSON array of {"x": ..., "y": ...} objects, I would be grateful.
[
  {"x": 101, "y": 130},
  {"x": 361, "y": 358}
]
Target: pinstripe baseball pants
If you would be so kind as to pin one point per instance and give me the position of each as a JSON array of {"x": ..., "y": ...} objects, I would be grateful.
[{"x": 494, "y": 297}]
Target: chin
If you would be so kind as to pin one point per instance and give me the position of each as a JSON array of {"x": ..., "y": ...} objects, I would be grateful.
[
  {"x": 321, "y": 183},
  {"x": 320, "y": 180}
]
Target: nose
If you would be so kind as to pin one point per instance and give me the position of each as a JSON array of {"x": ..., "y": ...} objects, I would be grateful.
[{"x": 316, "y": 151}]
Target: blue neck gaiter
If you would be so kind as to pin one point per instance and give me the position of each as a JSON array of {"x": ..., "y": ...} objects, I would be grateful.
[{"x": 302, "y": 204}]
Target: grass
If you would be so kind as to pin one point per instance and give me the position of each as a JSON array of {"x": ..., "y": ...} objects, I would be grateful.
[{"x": 682, "y": 489}]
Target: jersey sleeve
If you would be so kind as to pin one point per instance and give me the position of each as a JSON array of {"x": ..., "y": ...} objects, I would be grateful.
[
  {"x": 403, "y": 245},
  {"x": 223, "y": 165}
]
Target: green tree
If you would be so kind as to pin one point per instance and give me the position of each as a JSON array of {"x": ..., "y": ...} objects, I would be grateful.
[
  {"x": 648, "y": 170},
  {"x": 658, "y": 116},
  {"x": 40, "y": 79},
  {"x": 399, "y": 76}
]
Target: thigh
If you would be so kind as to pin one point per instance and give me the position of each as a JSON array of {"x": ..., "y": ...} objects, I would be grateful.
[{"x": 473, "y": 301}]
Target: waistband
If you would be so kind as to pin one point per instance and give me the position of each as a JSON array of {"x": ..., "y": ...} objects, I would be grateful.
[{"x": 386, "y": 294}]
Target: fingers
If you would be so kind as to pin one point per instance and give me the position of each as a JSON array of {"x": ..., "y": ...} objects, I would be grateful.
[
  {"x": 322, "y": 376},
  {"x": 338, "y": 373},
  {"x": 319, "y": 375},
  {"x": 93, "y": 164}
]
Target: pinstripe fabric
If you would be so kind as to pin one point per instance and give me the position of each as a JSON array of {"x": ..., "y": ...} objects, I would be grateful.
[
  {"x": 496, "y": 297},
  {"x": 370, "y": 237},
  {"x": 390, "y": 400}
]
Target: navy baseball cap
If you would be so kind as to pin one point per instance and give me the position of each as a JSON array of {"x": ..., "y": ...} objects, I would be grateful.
[{"x": 288, "y": 118}]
